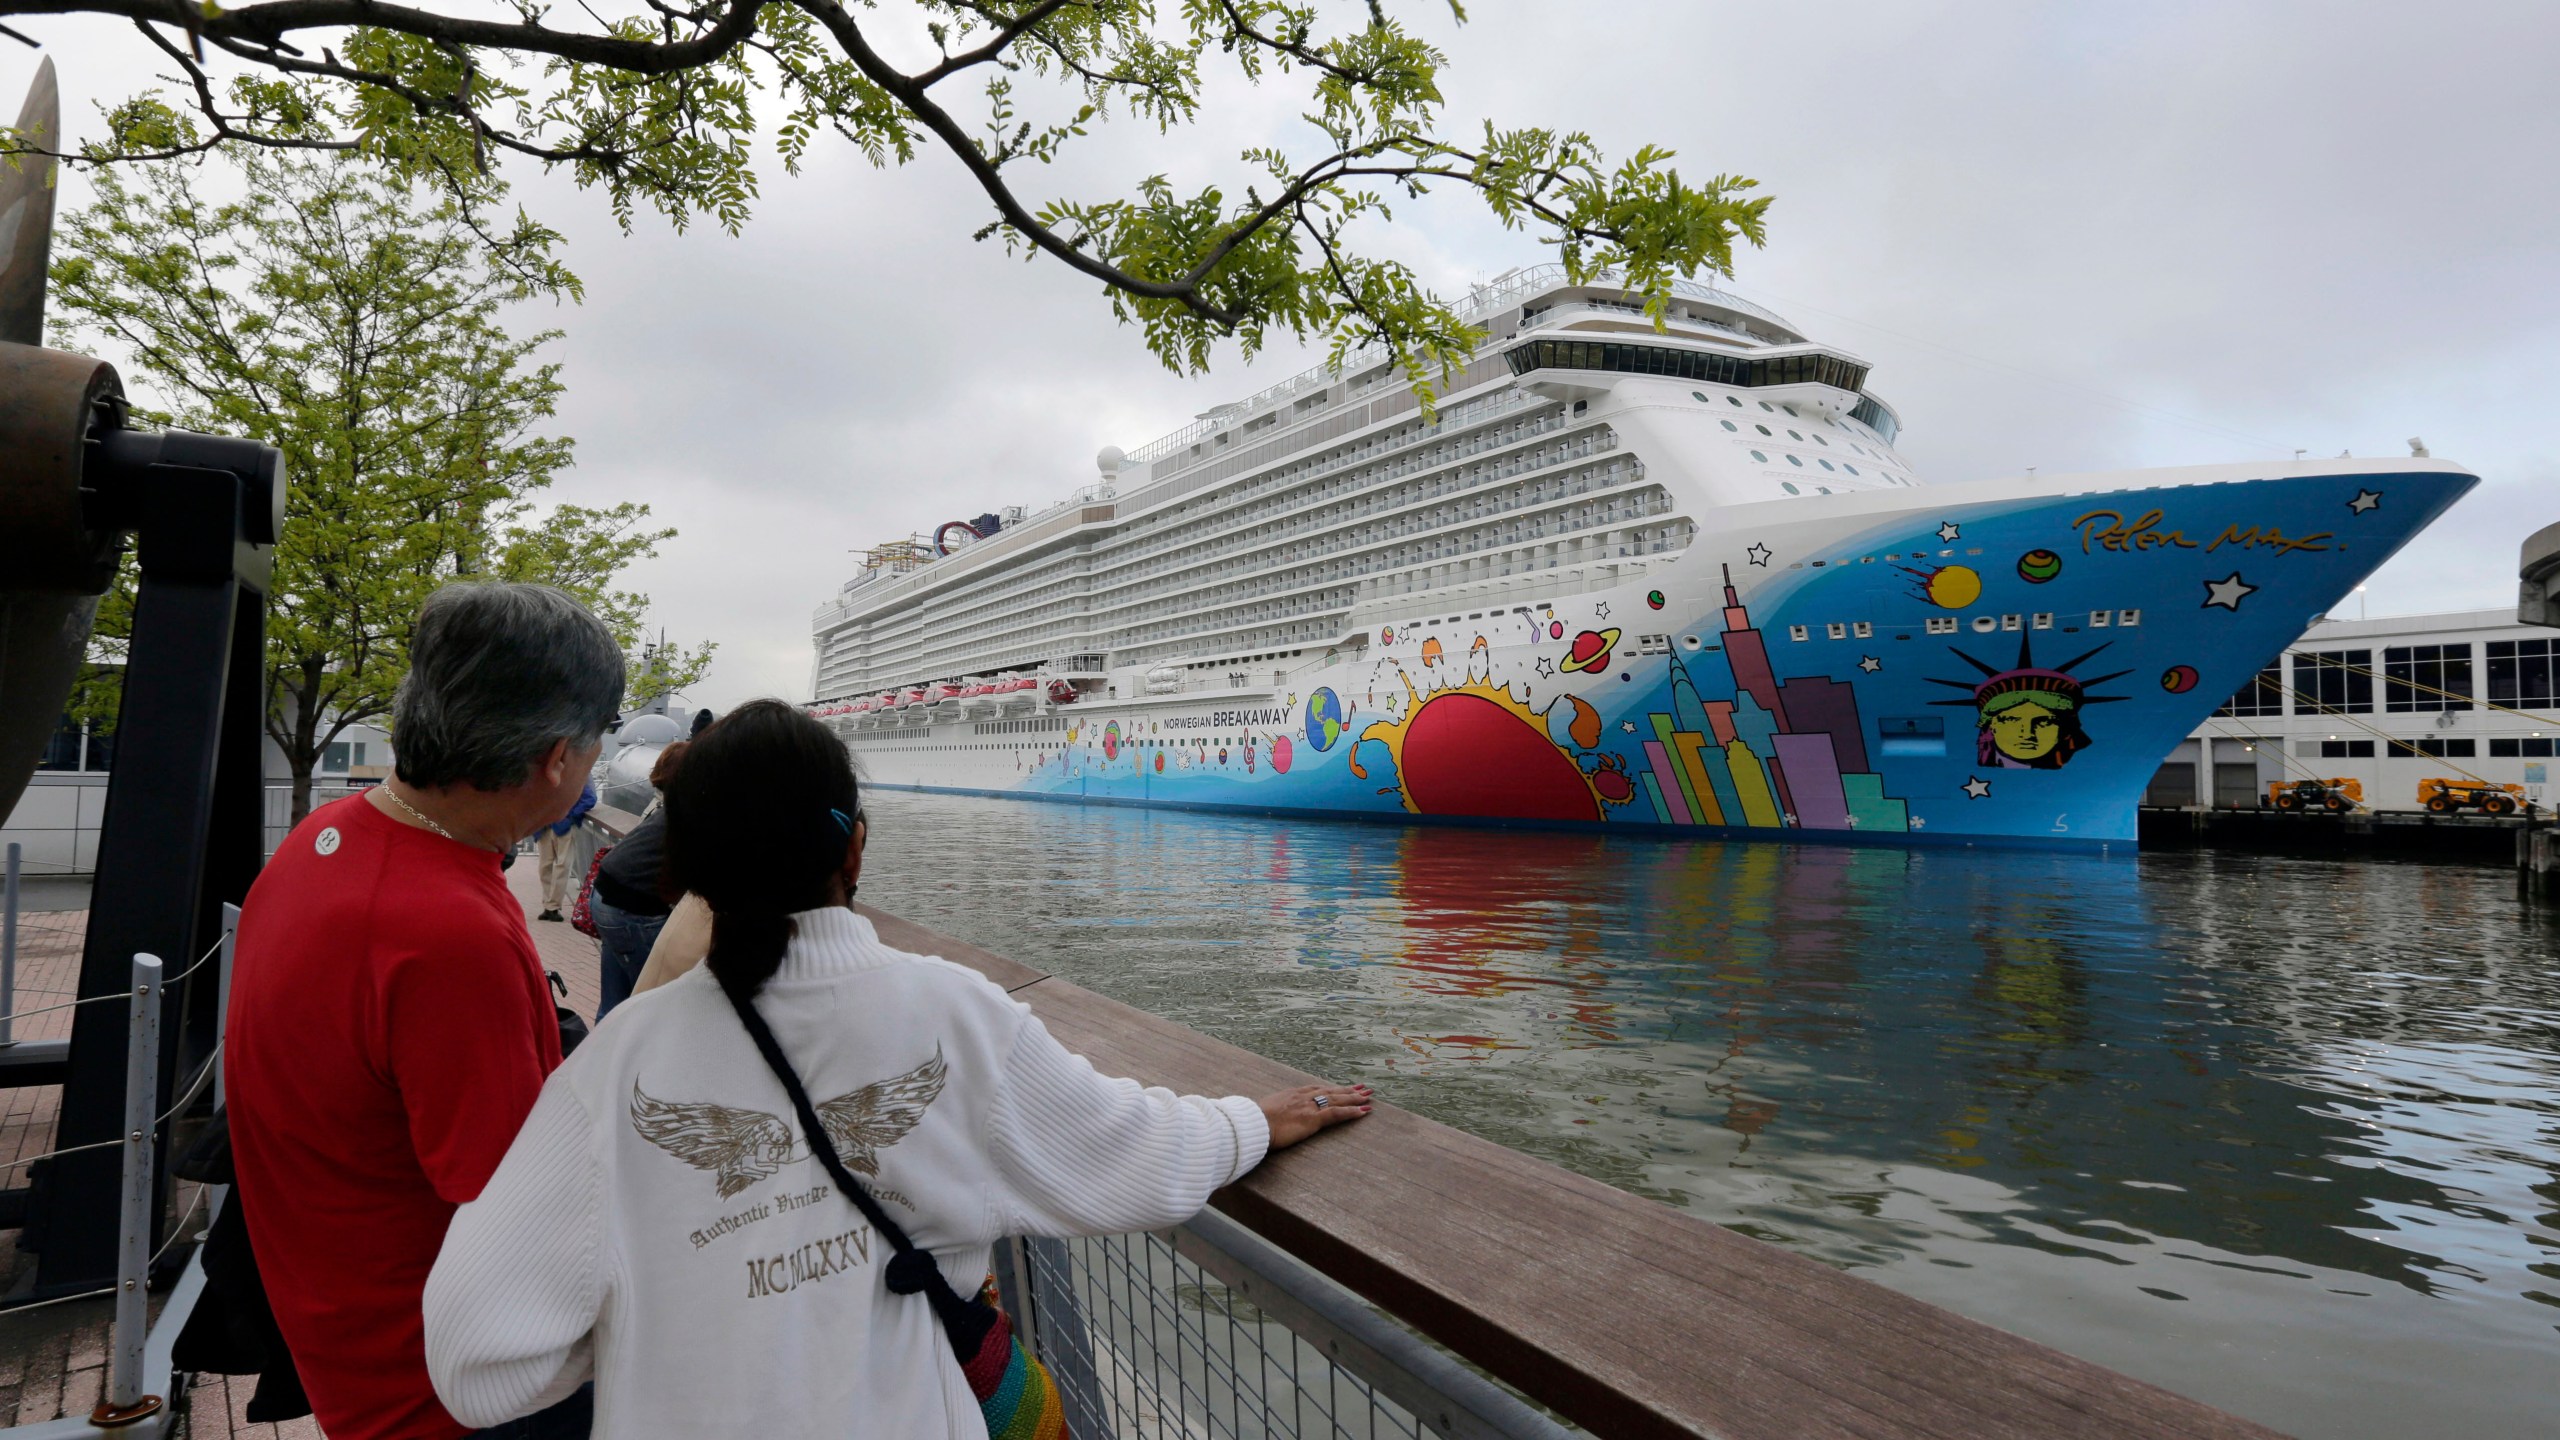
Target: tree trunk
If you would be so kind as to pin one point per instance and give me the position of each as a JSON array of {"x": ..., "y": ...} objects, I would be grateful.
[
  {"x": 300, "y": 762},
  {"x": 302, "y": 751}
]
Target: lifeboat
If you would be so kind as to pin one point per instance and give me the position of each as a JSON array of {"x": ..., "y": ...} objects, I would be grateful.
[{"x": 1062, "y": 693}]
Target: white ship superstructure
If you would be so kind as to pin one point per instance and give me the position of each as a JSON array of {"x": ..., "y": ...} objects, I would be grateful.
[{"x": 1327, "y": 504}]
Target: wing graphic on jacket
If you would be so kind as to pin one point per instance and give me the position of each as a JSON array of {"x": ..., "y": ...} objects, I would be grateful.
[
  {"x": 739, "y": 1147},
  {"x": 881, "y": 1113}
]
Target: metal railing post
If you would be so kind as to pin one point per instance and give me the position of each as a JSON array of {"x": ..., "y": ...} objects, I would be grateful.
[
  {"x": 124, "y": 1400},
  {"x": 222, "y": 1004},
  {"x": 9, "y": 947}
]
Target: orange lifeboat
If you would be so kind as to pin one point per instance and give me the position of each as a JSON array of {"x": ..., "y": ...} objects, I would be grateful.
[{"x": 1062, "y": 693}]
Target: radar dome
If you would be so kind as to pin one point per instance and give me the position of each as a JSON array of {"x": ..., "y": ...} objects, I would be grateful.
[
  {"x": 1111, "y": 459},
  {"x": 649, "y": 730}
]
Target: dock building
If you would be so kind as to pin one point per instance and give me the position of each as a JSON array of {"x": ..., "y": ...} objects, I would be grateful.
[{"x": 2388, "y": 702}]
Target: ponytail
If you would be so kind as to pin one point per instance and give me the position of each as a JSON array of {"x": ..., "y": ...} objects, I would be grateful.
[
  {"x": 746, "y": 948},
  {"x": 754, "y": 828}
]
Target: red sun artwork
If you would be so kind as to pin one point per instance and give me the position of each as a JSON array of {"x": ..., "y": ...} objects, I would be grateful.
[{"x": 1465, "y": 754}]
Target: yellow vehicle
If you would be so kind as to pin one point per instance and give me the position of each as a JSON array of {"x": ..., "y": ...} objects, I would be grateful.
[
  {"x": 2342, "y": 792},
  {"x": 2447, "y": 796}
]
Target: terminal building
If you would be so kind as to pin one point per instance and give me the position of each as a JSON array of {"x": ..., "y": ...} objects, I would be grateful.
[{"x": 2388, "y": 703}]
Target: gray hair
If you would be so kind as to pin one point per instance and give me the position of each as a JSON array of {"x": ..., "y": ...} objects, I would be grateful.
[{"x": 498, "y": 674}]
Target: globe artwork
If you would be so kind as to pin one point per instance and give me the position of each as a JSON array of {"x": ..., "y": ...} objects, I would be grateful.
[{"x": 1324, "y": 719}]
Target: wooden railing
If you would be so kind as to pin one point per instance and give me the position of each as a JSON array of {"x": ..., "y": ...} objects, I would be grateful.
[{"x": 1623, "y": 1315}]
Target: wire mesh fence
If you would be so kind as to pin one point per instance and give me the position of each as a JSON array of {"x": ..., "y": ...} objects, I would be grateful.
[
  {"x": 1146, "y": 1345},
  {"x": 1208, "y": 1332}
]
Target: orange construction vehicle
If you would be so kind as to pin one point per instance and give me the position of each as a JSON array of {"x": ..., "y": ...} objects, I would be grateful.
[
  {"x": 2447, "y": 796},
  {"x": 2342, "y": 792}
]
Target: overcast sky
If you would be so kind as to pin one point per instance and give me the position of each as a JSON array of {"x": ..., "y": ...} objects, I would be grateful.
[{"x": 2069, "y": 236}]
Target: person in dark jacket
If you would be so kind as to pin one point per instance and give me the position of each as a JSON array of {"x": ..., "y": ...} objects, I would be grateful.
[{"x": 626, "y": 904}]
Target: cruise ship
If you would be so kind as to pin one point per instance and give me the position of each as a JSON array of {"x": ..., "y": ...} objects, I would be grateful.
[{"x": 1668, "y": 572}]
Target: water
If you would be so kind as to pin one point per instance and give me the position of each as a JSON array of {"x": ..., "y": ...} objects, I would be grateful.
[{"x": 2280, "y": 1134}]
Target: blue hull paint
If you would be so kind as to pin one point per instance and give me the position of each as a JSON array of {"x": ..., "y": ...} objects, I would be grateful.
[{"x": 2076, "y": 640}]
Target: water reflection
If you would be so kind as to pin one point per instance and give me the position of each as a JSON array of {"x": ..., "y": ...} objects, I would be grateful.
[{"x": 2277, "y": 1133}]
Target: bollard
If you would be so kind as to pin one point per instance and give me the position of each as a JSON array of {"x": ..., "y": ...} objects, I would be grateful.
[
  {"x": 9, "y": 947},
  {"x": 124, "y": 1401}
]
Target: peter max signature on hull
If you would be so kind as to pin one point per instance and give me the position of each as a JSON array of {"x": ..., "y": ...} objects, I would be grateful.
[{"x": 2109, "y": 530}]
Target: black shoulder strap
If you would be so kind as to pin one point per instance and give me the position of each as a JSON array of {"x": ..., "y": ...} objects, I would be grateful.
[{"x": 910, "y": 1269}]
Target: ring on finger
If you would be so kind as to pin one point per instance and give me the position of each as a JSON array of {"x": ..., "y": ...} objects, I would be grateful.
[{"x": 1323, "y": 1100}]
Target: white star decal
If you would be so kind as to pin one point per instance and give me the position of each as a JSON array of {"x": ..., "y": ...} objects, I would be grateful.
[
  {"x": 1870, "y": 664},
  {"x": 1627, "y": 725},
  {"x": 2365, "y": 500},
  {"x": 1600, "y": 611},
  {"x": 1918, "y": 823},
  {"x": 1759, "y": 553},
  {"x": 2227, "y": 593},
  {"x": 1947, "y": 532},
  {"x": 1977, "y": 788}
]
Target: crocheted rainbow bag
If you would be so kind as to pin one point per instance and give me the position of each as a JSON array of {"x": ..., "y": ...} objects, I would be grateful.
[{"x": 1016, "y": 1395}]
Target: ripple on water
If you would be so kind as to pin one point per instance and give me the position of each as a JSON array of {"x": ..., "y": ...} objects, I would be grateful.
[{"x": 2278, "y": 1133}]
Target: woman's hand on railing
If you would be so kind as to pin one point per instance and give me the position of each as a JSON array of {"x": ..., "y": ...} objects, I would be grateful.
[{"x": 1297, "y": 1114}]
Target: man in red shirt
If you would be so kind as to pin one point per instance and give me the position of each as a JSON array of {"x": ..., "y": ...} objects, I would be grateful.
[{"x": 390, "y": 1022}]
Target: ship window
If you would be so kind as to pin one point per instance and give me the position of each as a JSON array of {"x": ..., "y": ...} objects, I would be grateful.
[
  {"x": 1701, "y": 397},
  {"x": 1765, "y": 406},
  {"x": 1790, "y": 409},
  {"x": 1795, "y": 461},
  {"x": 1790, "y": 487},
  {"x": 1756, "y": 455},
  {"x": 1798, "y": 632},
  {"x": 1729, "y": 425},
  {"x": 1796, "y": 435},
  {"x": 1845, "y": 465},
  {"x": 1864, "y": 630},
  {"x": 1836, "y": 630},
  {"x": 1765, "y": 430},
  {"x": 1825, "y": 464},
  {"x": 1733, "y": 400}
]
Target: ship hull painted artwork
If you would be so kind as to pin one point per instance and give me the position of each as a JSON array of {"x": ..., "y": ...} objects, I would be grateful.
[{"x": 2004, "y": 661}]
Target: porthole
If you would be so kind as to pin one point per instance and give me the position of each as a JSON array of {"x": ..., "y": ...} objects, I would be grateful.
[
  {"x": 1690, "y": 642},
  {"x": 1796, "y": 435},
  {"x": 1729, "y": 425},
  {"x": 1734, "y": 400},
  {"x": 1765, "y": 405},
  {"x": 1845, "y": 465},
  {"x": 1790, "y": 487},
  {"x": 1765, "y": 430},
  {"x": 1790, "y": 409},
  {"x": 1756, "y": 455},
  {"x": 1795, "y": 461},
  {"x": 1825, "y": 464},
  {"x": 1822, "y": 439}
]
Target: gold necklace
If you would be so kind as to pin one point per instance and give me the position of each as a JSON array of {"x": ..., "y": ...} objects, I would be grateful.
[{"x": 419, "y": 815}]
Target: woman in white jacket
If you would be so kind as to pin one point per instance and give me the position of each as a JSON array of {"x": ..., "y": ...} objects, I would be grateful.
[{"x": 660, "y": 1224}]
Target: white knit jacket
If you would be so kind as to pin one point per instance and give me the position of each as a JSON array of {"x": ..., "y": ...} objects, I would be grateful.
[{"x": 660, "y": 1224}]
